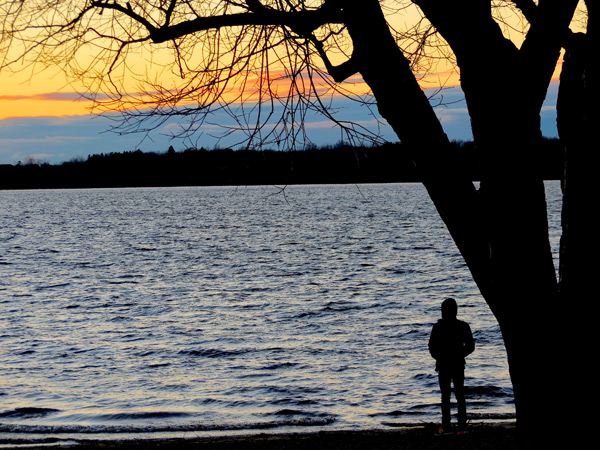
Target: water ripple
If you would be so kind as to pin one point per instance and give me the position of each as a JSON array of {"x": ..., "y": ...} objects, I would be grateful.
[{"x": 227, "y": 308}]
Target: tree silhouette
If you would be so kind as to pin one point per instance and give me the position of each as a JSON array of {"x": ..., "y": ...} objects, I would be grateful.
[{"x": 250, "y": 57}]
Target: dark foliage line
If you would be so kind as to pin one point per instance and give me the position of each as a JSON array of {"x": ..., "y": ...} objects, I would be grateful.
[{"x": 341, "y": 164}]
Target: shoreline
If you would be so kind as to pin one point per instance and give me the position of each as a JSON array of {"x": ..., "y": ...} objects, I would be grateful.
[{"x": 422, "y": 437}]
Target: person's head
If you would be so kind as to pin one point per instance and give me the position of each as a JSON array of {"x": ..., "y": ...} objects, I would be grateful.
[{"x": 449, "y": 309}]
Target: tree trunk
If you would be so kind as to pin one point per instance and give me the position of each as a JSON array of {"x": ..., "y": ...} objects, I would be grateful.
[
  {"x": 524, "y": 296},
  {"x": 578, "y": 116},
  {"x": 405, "y": 107},
  {"x": 502, "y": 229}
]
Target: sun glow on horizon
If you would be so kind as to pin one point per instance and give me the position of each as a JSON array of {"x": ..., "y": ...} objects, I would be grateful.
[
  {"x": 48, "y": 93},
  {"x": 70, "y": 103}
]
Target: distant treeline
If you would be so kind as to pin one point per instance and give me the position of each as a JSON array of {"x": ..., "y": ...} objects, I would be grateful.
[{"x": 199, "y": 167}]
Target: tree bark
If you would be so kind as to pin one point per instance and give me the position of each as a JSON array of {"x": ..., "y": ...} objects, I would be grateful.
[
  {"x": 577, "y": 118},
  {"x": 502, "y": 229}
]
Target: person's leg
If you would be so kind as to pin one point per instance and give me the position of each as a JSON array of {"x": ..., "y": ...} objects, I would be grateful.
[
  {"x": 445, "y": 389},
  {"x": 458, "y": 379}
]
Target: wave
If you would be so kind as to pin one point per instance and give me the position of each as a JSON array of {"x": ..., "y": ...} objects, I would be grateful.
[
  {"x": 283, "y": 365},
  {"x": 398, "y": 413},
  {"x": 212, "y": 353},
  {"x": 488, "y": 391},
  {"x": 52, "y": 286},
  {"x": 27, "y": 413},
  {"x": 225, "y": 329},
  {"x": 295, "y": 412},
  {"x": 492, "y": 416},
  {"x": 283, "y": 420},
  {"x": 126, "y": 416}
]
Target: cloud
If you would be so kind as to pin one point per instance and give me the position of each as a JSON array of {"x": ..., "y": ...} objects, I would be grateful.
[
  {"x": 64, "y": 138},
  {"x": 57, "y": 96},
  {"x": 57, "y": 139}
]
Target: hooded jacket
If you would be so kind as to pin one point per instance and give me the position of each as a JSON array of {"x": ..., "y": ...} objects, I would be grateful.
[{"x": 451, "y": 340}]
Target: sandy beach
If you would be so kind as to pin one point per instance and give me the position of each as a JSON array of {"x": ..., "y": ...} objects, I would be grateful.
[{"x": 480, "y": 437}]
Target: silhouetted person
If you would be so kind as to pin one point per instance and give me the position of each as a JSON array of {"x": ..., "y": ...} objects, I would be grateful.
[{"x": 451, "y": 340}]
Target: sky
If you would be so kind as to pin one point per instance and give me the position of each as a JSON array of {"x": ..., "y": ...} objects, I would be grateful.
[
  {"x": 58, "y": 127},
  {"x": 42, "y": 119}
]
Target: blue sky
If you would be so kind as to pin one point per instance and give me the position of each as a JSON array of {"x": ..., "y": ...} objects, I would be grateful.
[{"x": 58, "y": 139}]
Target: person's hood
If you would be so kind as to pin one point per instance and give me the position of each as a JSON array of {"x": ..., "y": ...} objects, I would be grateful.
[{"x": 449, "y": 309}]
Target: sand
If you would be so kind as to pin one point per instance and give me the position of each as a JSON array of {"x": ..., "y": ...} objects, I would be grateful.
[{"x": 480, "y": 437}]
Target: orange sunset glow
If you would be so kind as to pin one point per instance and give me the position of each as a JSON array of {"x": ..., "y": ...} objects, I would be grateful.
[
  {"x": 64, "y": 102},
  {"x": 47, "y": 92},
  {"x": 32, "y": 94},
  {"x": 36, "y": 99}
]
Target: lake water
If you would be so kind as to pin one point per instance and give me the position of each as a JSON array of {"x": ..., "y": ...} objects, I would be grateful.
[{"x": 202, "y": 311}]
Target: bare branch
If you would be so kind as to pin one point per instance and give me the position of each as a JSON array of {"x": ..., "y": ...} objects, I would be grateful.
[
  {"x": 301, "y": 21},
  {"x": 528, "y": 8},
  {"x": 164, "y": 58},
  {"x": 339, "y": 73},
  {"x": 127, "y": 10}
]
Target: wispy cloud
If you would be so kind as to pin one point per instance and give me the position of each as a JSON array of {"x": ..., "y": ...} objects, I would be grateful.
[
  {"x": 56, "y": 96},
  {"x": 49, "y": 140},
  {"x": 66, "y": 137}
]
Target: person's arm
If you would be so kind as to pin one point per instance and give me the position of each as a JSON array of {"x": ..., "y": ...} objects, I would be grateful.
[
  {"x": 434, "y": 343},
  {"x": 469, "y": 342}
]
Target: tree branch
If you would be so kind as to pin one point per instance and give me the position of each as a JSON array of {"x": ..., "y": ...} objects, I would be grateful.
[
  {"x": 128, "y": 11},
  {"x": 528, "y": 8},
  {"x": 550, "y": 26},
  {"x": 339, "y": 73},
  {"x": 470, "y": 30},
  {"x": 301, "y": 21},
  {"x": 547, "y": 35},
  {"x": 169, "y": 12}
]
